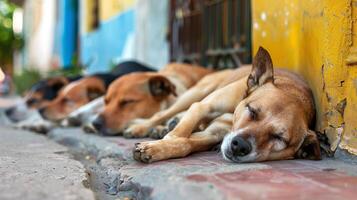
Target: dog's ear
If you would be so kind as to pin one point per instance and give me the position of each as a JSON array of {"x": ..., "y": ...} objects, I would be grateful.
[
  {"x": 160, "y": 87},
  {"x": 58, "y": 83},
  {"x": 310, "y": 148},
  {"x": 94, "y": 92},
  {"x": 262, "y": 70},
  {"x": 58, "y": 86}
]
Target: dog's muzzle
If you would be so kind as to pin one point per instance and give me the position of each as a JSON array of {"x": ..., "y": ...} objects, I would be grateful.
[
  {"x": 42, "y": 113},
  {"x": 10, "y": 111},
  {"x": 15, "y": 115},
  {"x": 238, "y": 149},
  {"x": 98, "y": 123},
  {"x": 74, "y": 121},
  {"x": 240, "y": 146}
]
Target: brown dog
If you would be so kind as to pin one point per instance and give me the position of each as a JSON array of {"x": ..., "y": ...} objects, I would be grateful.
[
  {"x": 73, "y": 96},
  {"x": 87, "y": 89},
  {"x": 38, "y": 96},
  {"x": 153, "y": 126},
  {"x": 140, "y": 95},
  {"x": 262, "y": 116},
  {"x": 43, "y": 92}
]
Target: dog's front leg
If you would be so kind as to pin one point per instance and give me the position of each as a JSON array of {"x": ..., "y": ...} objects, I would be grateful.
[
  {"x": 195, "y": 94},
  {"x": 176, "y": 147},
  {"x": 221, "y": 101},
  {"x": 176, "y": 143}
]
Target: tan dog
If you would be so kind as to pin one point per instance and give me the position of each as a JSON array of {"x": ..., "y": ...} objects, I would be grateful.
[
  {"x": 73, "y": 96},
  {"x": 262, "y": 116},
  {"x": 45, "y": 91},
  {"x": 40, "y": 95},
  {"x": 140, "y": 95},
  {"x": 153, "y": 126}
]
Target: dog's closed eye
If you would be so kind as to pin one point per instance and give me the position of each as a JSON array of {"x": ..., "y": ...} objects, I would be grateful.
[
  {"x": 126, "y": 102},
  {"x": 253, "y": 113},
  {"x": 31, "y": 102},
  {"x": 278, "y": 136}
]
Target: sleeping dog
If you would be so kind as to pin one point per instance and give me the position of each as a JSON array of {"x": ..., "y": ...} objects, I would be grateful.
[
  {"x": 264, "y": 115},
  {"x": 85, "y": 90},
  {"x": 38, "y": 96},
  {"x": 140, "y": 95},
  {"x": 153, "y": 126}
]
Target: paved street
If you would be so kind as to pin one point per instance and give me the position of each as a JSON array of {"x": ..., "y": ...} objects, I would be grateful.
[
  {"x": 207, "y": 175},
  {"x": 69, "y": 164},
  {"x": 287, "y": 69},
  {"x": 32, "y": 167}
]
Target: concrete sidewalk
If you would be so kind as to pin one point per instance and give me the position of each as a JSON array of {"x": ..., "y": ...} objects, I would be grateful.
[
  {"x": 205, "y": 175},
  {"x": 32, "y": 167}
]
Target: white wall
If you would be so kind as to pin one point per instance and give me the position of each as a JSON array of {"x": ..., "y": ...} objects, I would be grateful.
[
  {"x": 39, "y": 21},
  {"x": 149, "y": 42}
]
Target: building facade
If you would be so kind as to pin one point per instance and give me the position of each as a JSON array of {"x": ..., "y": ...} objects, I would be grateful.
[{"x": 96, "y": 34}]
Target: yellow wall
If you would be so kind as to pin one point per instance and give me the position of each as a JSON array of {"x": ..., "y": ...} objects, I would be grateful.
[
  {"x": 111, "y": 8},
  {"x": 314, "y": 38},
  {"x": 87, "y": 18},
  {"x": 107, "y": 10}
]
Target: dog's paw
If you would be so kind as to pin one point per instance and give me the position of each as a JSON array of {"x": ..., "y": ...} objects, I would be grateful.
[
  {"x": 136, "y": 131},
  {"x": 151, "y": 151},
  {"x": 158, "y": 132},
  {"x": 171, "y": 124},
  {"x": 147, "y": 152},
  {"x": 42, "y": 128},
  {"x": 74, "y": 121},
  {"x": 89, "y": 128}
]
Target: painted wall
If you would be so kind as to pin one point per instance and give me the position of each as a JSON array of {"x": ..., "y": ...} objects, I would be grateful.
[
  {"x": 102, "y": 46},
  {"x": 101, "y": 33},
  {"x": 128, "y": 30},
  {"x": 318, "y": 40},
  {"x": 151, "y": 28},
  {"x": 39, "y": 33},
  {"x": 66, "y": 32}
]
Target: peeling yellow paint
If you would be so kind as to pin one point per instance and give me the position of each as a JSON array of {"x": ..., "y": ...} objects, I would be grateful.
[
  {"x": 107, "y": 9},
  {"x": 315, "y": 38},
  {"x": 111, "y": 8},
  {"x": 349, "y": 139}
]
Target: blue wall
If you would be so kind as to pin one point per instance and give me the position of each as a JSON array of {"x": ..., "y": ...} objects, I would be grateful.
[
  {"x": 66, "y": 32},
  {"x": 101, "y": 47}
]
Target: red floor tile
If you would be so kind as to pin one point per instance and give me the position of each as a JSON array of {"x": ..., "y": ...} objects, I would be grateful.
[{"x": 282, "y": 183}]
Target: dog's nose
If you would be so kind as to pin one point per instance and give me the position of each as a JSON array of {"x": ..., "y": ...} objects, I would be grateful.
[
  {"x": 42, "y": 112},
  {"x": 98, "y": 123},
  {"x": 74, "y": 121},
  {"x": 9, "y": 111},
  {"x": 240, "y": 146}
]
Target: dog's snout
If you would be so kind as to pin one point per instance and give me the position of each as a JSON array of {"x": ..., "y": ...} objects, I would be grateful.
[
  {"x": 74, "y": 121},
  {"x": 42, "y": 112},
  {"x": 240, "y": 146},
  {"x": 10, "y": 111},
  {"x": 98, "y": 123}
]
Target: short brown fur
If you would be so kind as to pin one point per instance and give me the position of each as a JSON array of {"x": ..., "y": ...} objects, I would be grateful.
[
  {"x": 73, "y": 96},
  {"x": 140, "y": 95},
  {"x": 270, "y": 112}
]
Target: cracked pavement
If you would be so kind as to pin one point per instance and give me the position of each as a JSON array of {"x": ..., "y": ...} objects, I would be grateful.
[
  {"x": 33, "y": 167},
  {"x": 69, "y": 164}
]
